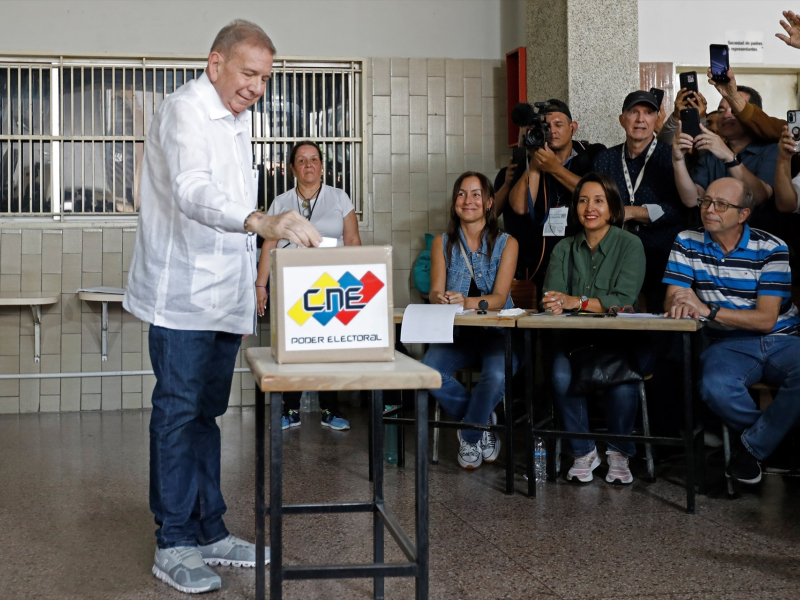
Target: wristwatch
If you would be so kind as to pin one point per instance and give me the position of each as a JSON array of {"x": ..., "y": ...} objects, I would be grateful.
[
  {"x": 737, "y": 160},
  {"x": 584, "y": 303},
  {"x": 714, "y": 309}
]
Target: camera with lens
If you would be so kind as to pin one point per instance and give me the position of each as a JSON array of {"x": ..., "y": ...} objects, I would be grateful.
[{"x": 532, "y": 120}]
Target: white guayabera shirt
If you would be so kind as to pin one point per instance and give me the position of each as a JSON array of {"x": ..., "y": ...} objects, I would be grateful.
[{"x": 193, "y": 265}]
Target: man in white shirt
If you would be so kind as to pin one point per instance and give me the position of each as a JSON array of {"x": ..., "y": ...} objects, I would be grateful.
[{"x": 192, "y": 278}]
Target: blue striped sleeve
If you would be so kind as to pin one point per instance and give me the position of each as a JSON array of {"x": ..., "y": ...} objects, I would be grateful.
[{"x": 679, "y": 267}]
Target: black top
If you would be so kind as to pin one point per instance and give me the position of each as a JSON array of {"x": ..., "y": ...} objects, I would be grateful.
[
  {"x": 657, "y": 187},
  {"x": 527, "y": 229},
  {"x": 473, "y": 292}
]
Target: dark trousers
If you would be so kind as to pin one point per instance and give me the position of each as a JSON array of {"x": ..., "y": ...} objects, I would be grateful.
[{"x": 194, "y": 370}]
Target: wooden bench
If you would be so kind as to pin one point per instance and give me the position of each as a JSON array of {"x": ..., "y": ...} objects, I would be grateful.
[
  {"x": 103, "y": 295},
  {"x": 35, "y": 300}
]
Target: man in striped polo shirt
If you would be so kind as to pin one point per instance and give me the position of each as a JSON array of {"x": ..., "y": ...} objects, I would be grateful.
[{"x": 738, "y": 280}]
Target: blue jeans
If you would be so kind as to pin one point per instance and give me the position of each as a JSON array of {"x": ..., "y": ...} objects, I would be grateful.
[
  {"x": 621, "y": 401},
  {"x": 729, "y": 366},
  {"x": 194, "y": 370},
  {"x": 471, "y": 346}
]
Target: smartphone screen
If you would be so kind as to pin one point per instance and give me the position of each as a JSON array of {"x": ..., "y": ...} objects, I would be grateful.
[
  {"x": 689, "y": 81},
  {"x": 793, "y": 120},
  {"x": 659, "y": 94},
  {"x": 719, "y": 62},
  {"x": 690, "y": 122}
]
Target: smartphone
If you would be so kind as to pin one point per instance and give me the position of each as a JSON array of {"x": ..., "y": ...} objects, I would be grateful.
[
  {"x": 659, "y": 94},
  {"x": 720, "y": 63},
  {"x": 689, "y": 81},
  {"x": 793, "y": 119},
  {"x": 690, "y": 121}
]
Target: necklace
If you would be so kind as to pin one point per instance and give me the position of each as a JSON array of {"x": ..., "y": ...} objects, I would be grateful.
[{"x": 307, "y": 202}]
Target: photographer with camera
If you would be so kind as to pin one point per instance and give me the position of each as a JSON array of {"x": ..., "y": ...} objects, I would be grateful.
[
  {"x": 642, "y": 170},
  {"x": 535, "y": 212}
]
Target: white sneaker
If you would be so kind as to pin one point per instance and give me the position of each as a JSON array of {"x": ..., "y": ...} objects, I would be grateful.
[
  {"x": 583, "y": 466},
  {"x": 183, "y": 568},
  {"x": 490, "y": 443},
  {"x": 618, "y": 470},
  {"x": 231, "y": 551},
  {"x": 470, "y": 456}
]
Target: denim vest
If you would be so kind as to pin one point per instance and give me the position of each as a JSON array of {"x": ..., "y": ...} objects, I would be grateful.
[{"x": 485, "y": 267}]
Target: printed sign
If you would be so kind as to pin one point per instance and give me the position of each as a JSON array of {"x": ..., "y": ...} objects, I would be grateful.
[
  {"x": 745, "y": 46},
  {"x": 335, "y": 307}
]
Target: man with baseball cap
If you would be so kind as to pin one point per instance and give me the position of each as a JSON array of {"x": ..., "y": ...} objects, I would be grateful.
[
  {"x": 535, "y": 204},
  {"x": 642, "y": 168}
]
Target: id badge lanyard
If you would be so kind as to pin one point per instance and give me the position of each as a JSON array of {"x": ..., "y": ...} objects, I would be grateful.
[
  {"x": 546, "y": 185},
  {"x": 633, "y": 188}
]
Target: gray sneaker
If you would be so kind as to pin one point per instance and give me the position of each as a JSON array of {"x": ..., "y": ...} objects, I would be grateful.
[
  {"x": 231, "y": 551},
  {"x": 183, "y": 568}
]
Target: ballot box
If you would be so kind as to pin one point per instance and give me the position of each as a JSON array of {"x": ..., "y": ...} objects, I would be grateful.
[{"x": 331, "y": 304}]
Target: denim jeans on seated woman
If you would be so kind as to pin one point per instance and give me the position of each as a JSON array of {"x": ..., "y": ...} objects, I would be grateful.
[
  {"x": 194, "y": 370},
  {"x": 621, "y": 401},
  {"x": 480, "y": 346}
]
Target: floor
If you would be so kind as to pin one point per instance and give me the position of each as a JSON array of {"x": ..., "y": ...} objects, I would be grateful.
[{"x": 74, "y": 521}]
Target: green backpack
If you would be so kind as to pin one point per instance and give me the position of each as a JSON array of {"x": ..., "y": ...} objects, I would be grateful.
[{"x": 422, "y": 268}]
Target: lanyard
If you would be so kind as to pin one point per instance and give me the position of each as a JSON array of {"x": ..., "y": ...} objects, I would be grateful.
[
  {"x": 311, "y": 213},
  {"x": 546, "y": 186},
  {"x": 631, "y": 188},
  {"x": 308, "y": 201}
]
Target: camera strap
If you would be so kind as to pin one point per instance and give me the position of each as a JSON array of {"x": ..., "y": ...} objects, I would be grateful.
[{"x": 632, "y": 188}]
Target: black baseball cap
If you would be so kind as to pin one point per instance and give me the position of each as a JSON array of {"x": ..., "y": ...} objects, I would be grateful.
[
  {"x": 639, "y": 97},
  {"x": 557, "y": 106}
]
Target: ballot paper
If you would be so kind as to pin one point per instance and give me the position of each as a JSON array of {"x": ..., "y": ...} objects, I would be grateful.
[
  {"x": 429, "y": 323},
  {"x": 328, "y": 242}
]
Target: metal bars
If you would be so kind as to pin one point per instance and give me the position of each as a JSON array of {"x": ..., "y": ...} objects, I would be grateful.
[{"x": 72, "y": 132}]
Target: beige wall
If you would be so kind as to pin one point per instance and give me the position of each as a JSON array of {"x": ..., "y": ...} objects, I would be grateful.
[{"x": 429, "y": 120}]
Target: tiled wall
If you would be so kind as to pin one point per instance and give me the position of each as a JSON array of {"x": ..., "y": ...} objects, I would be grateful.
[{"x": 430, "y": 120}]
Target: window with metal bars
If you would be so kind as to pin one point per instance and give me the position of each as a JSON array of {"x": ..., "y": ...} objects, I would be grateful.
[{"x": 72, "y": 133}]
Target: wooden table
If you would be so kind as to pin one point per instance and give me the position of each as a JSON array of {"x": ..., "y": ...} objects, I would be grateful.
[
  {"x": 35, "y": 300},
  {"x": 492, "y": 318},
  {"x": 403, "y": 373},
  {"x": 105, "y": 296},
  {"x": 693, "y": 435}
]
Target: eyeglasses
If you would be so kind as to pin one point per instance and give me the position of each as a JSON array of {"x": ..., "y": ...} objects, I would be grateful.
[
  {"x": 720, "y": 206},
  {"x": 628, "y": 310}
]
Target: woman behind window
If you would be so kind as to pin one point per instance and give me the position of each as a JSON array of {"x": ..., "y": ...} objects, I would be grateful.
[
  {"x": 473, "y": 261},
  {"x": 607, "y": 267},
  {"x": 332, "y": 213}
]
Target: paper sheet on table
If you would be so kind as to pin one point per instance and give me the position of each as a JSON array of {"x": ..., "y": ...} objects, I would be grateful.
[
  {"x": 639, "y": 316},
  {"x": 511, "y": 312},
  {"x": 429, "y": 323},
  {"x": 328, "y": 242}
]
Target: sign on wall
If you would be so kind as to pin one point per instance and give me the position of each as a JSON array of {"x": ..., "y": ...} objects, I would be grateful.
[{"x": 746, "y": 47}]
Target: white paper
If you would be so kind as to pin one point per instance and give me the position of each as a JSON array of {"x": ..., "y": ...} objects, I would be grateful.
[
  {"x": 429, "y": 323},
  {"x": 511, "y": 312},
  {"x": 745, "y": 46},
  {"x": 556, "y": 224},
  {"x": 328, "y": 242},
  {"x": 103, "y": 289}
]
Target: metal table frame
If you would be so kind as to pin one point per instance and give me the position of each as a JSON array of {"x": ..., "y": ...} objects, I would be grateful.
[
  {"x": 692, "y": 441},
  {"x": 390, "y": 417},
  {"x": 416, "y": 553}
]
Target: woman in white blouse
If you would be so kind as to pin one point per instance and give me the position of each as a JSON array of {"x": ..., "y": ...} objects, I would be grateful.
[{"x": 331, "y": 211}]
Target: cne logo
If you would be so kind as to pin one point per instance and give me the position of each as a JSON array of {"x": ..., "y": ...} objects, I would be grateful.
[{"x": 342, "y": 299}]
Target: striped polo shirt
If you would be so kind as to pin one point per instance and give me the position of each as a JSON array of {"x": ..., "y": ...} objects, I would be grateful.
[{"x": 758, "y": 266}]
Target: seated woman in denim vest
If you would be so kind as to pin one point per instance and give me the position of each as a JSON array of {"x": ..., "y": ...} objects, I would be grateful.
[
  {"x": 600, "y": 269},
  {"x": 473, "y": 261}
]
